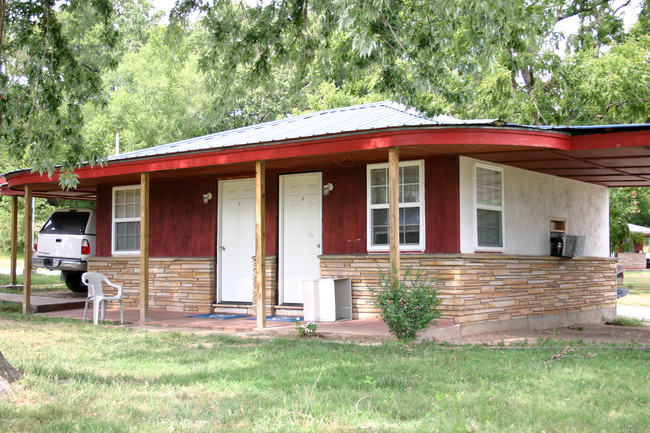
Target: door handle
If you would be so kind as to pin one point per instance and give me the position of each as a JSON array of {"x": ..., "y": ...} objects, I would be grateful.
[{"x": 317, "y": 245}]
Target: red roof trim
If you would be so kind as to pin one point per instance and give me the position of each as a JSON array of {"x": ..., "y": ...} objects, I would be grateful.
[{"x": 324, "y": 145}]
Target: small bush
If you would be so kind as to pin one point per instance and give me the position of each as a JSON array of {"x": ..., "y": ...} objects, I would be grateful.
[
  {"x": 407, "y": 306},
  {"x": 308, "y": 330}
]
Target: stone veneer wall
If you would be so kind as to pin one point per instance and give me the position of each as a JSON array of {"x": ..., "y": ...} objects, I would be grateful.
[
  {"x": 175, "y": 284},
  {"x": 271, "y": 285},
  {"x": 480, "y": 288},
  {"x": 632, "y": 261}
]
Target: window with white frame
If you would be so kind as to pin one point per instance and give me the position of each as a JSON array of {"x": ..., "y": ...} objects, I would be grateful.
[
  {"x": 411, "y": 206},
  {"x": 126, "y": 219},
  {"x": 489, "y": 207}
]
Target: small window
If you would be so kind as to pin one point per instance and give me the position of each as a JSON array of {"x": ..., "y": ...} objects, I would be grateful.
[
  {"x": 489, "y": 207},
  {"x": 126, "y": 219},
  {"x": 411, "y": 206}
]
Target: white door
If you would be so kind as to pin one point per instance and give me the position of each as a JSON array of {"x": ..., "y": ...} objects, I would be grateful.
[
  {"x": 236, "y": 246},
  {"x": 300, "y": 234}
]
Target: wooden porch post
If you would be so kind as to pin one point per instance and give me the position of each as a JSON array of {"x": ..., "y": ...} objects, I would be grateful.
[
  {"x": 13, "y": 281},
  {"x": 144, "y": 247},
  {"x": 27, "y": 267},
  {"x": 260, "y": 242},
  {"x": 393, "y": 212}
]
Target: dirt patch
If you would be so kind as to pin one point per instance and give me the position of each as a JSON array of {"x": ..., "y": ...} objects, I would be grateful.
[{"x": 587, "y": 333}]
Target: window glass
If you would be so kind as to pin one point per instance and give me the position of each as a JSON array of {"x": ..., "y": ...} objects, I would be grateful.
[
  {"x": 489, "y": 228},
  {"x": 410, "y": 202},
  {"x": 488, "y": 187},
  {"x": 489, "y": 207},
  {"x": 126, "y": 220},
  {"x": 66, "y": 223}
]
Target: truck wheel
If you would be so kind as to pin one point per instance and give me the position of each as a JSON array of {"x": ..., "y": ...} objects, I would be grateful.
[{"x": 73, "y": 281}]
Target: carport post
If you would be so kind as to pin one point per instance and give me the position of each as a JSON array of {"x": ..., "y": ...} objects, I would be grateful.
[
  {"x": 144, "y": 247},
  {"x": 260, "y": 242},
  {"x": 393, "y": 213},
  {"x": 13, "y": 281},
  {"x": 27, "y": 267}
]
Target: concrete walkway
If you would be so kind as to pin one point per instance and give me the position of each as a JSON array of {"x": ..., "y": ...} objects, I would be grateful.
[
  {"x": 633, "y": 311},
  {"x": 42, "y": 304}
]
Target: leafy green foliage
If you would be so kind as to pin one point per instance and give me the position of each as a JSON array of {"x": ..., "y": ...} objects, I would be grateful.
[
  {"x": 51, "y": 60},
  {"x": 627, "y": 205},
  {"x": 157, "y": 96},
  {"x": 407, "y": 305},
  {"x": 626, "y": 321}
]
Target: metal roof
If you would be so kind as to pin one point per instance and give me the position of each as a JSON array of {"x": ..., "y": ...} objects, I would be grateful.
[{"x": 365, "y": 117}]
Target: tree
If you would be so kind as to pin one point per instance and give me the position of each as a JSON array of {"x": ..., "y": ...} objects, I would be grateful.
[
  {"x": 8, "y": 374},
  {"x": 627, "y": 205},
  {"x": 477, "y": 58},
  {"x": 52, "y": 55},
  {"x": 155, "y": 96}
]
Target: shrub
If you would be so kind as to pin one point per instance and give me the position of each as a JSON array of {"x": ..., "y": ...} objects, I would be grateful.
[{"x": 407, "y": 306}]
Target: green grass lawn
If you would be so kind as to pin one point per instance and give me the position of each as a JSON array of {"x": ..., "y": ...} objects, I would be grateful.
[
  {"x": 112, "y": 379},
  {"x": 638, "y": 282}
]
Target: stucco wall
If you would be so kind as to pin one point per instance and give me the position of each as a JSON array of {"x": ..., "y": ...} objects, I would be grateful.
[{"x": 531, "y": 200}]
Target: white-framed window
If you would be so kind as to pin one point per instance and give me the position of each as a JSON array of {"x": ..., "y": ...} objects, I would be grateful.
[
  {"x": 411, "y": 206},
  {"x": 126, "y": 220},
  {"x": 489, "y": 208}
]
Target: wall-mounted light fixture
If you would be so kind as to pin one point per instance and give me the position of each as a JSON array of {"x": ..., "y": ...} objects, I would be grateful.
[
  {"x": 207, "y": 197},
  {"x": 327, "y": 188}
]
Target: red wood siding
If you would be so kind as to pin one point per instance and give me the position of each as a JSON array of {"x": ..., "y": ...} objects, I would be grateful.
[
  {"x": 271, "y": 214},
  {"x": 104, "y": 218},
  {"x": 442, "y": 202},
  {"x": 181, "y": 225},
  {"x": 345, "y": 214},
  {"x": 344, "y": 211}
]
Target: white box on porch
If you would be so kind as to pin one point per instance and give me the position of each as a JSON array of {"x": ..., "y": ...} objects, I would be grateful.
[{"x": 327, "y": 300}]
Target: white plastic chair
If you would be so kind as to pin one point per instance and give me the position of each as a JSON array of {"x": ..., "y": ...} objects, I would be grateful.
[{"x": 94, "y": 282}]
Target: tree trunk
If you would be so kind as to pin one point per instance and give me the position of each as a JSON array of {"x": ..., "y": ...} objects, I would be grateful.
[{"x": 7, "y": 372}]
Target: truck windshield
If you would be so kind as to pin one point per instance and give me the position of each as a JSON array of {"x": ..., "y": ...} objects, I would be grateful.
[{"x": 66, "y": 223}]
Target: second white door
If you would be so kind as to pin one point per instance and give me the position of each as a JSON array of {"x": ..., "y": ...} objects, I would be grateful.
[{"x": 300, "y": 234}]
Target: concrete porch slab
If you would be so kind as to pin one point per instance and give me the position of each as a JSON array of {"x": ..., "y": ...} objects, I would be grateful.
[{"x": 364, "y": 331}]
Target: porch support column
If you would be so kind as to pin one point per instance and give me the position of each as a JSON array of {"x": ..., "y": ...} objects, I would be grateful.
[
  {"x": 144, "y": 247},
  {"x": 13, "y": 281},
  {"x": 260, "y": 242},
  {"x": 27, "y": 268},
  {"x": 393, "y": 212}
]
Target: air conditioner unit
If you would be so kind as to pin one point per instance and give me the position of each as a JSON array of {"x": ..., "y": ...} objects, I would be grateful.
[{"x": 574, "y": 246}]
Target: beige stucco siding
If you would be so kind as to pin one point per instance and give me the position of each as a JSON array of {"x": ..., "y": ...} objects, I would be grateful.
[{"x": 531, "y": 200}]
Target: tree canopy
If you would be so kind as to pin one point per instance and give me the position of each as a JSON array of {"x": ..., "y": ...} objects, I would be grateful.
[{"x": 73, "y": 74}]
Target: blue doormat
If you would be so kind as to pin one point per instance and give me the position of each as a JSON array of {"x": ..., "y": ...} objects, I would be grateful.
[
  {"x": 281, "y": 318},
  {"x": 219, "y": 316}
]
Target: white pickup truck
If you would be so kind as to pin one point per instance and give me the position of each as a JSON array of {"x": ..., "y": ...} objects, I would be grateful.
[{"x": 65, "y": 243}]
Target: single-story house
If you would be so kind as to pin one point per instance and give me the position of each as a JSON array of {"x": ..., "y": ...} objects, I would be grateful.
[
  {"x": 482, "y": 208},
  {"x": 637, "y": 258}
]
